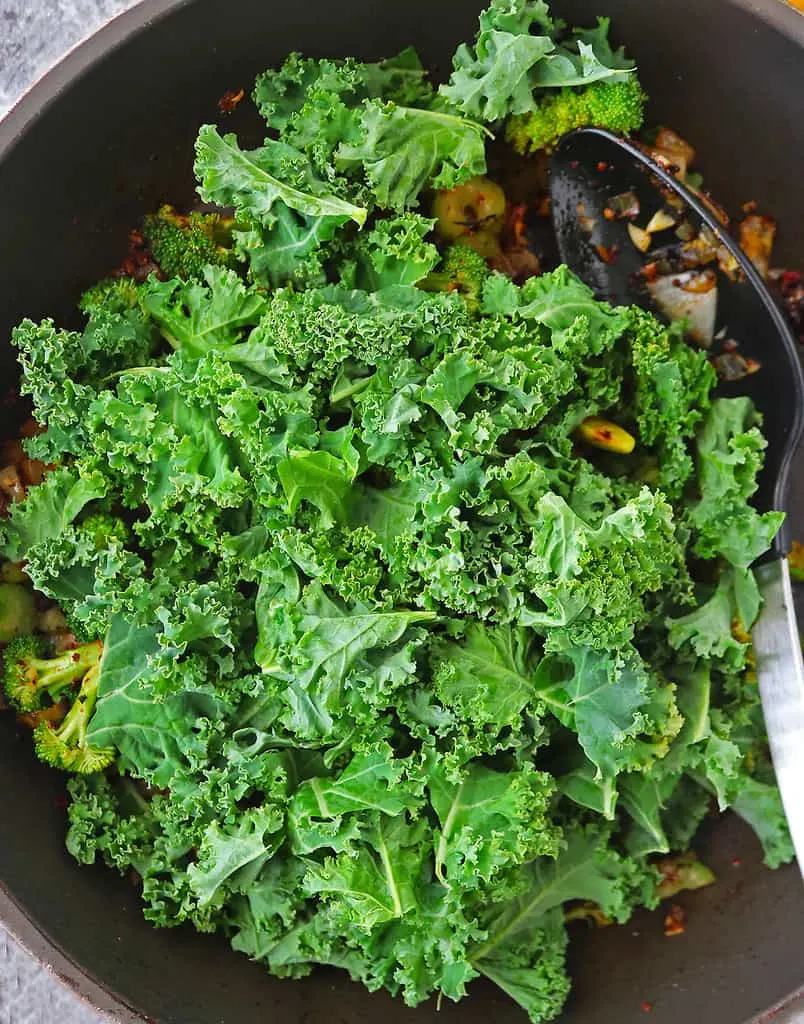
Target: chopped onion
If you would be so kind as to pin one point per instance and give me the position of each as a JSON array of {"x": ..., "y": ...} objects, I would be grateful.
[
  {"x": 672, "y": 163},
  {"x": 698, "y": 283},
  {"x": 624, "y": 205},
  {"x": 586, "y": 224},
  {"x": 673, "y": 200},
  {"x": 728, "y": 263},
  {"x": 731, "y": 366},
  {"x": 671, "y": 142},
  {"x": 699, "y": 251},
  {"x": 640, "y": 238},
  {"x": 10, "y": 483},
  {"x": 660, "y": 221},
  {"x": 757, "y": 235},
  {"x": 691, "y": 296},
  {"x": 714, "y": 208}
]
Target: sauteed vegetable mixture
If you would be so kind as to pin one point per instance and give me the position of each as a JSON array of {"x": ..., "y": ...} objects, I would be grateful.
[{"x": 392, "y": 595}]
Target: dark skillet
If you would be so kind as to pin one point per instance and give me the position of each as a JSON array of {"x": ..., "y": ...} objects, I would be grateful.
[{"x": 108, "y": 135}]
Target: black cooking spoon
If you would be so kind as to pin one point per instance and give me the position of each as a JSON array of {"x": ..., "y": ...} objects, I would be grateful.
[{"x": 599, "y": 184}]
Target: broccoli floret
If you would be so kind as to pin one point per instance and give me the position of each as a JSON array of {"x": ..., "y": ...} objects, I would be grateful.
[
  {"x": 29, "y": 677},
  {"x": 17, "y": 611},
  {"x": 618, "y": 106},
  {"x": 65, "y": 745},
  {"x": 184, "y": 245},
  {"x": 103, "y": 529},
  {"x": 462, "y": 270},
  {"x": 112, "y": 295}
]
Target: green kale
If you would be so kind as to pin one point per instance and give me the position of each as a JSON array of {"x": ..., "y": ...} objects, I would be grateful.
[
  {"x": 394, "y": 663},
  {"x": 405, "y": 149},
  {"x": 521, "y": 50}
]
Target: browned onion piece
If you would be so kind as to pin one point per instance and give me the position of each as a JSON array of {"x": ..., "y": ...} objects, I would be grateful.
[
  {"x": 757, "y": 234},
  {"x": 691, "y": 296}
]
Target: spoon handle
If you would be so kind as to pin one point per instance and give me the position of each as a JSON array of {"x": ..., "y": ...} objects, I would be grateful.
[{"x": 780, "y": 671}]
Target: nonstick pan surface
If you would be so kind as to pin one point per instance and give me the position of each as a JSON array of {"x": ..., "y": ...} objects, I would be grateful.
[{"x": 108, "y": 135}]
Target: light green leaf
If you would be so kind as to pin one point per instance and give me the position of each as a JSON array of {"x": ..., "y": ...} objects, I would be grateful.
[
  {"x": 405, "y": 149},
  {"x": 255, "y": 181},
  {"x": 48, "y": 510}
]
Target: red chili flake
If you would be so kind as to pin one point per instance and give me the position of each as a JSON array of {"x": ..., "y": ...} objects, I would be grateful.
[
  {"x": 674, "y": 922},
  {"x": 602, "y": 166},
  {"x": 574, "y": 164},
  {"x": 650, "y": 271},
  {"x": 646, "y": 1007},
  {"x": 791, "y": 277},
  {"x": 607, "y": 254},
  {"x": 76, "y": 656},
  {"x": 736, "y": 862},
  {"x": 517, "y": 224},
  {"x": 544, "y": 206},
  {"x": 750, "y": 206},
  {"x": 229, "y": 100}
]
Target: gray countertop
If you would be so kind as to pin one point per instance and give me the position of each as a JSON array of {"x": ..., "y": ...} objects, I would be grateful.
[{"x": 34, "y": 34}]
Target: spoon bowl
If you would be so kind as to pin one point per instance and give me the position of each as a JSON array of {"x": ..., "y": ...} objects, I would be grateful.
[{"x": 590, "y": 172}]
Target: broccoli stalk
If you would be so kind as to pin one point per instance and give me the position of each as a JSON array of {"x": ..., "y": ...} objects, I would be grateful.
[
  {"x": 463, "y": 270},
  {"x": 17, "y": 611},
  {"x": 183, "y": 245},
  {"x": 65, "y": 746},
  {"x": 618, "y": 106},
  {"x": 29, "y": 678}
]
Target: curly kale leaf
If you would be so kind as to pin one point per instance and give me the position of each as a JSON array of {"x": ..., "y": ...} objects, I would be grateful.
[
  {"x": 48, "y": 511},
  {"x": 402, "y": 150},
  {"x": 286, "y": 97},
  {"x": 709, "y": 628},
  {"x": 287, "y": 212},
  {"x": 730, "y": 448},
  {"x": 253, "y": 182},
  {"x": 517, "y": 953},
  {"x": 623, "y": 716},
  {"x": 200, "y": 317},
  {"x": 519, "y": 50},
  {"x": 490, "y": 821}
]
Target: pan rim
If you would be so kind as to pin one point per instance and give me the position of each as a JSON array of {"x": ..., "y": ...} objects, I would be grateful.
[
  {"x": 114, "y": 33},
  {"x": 14, "y": 126}
]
